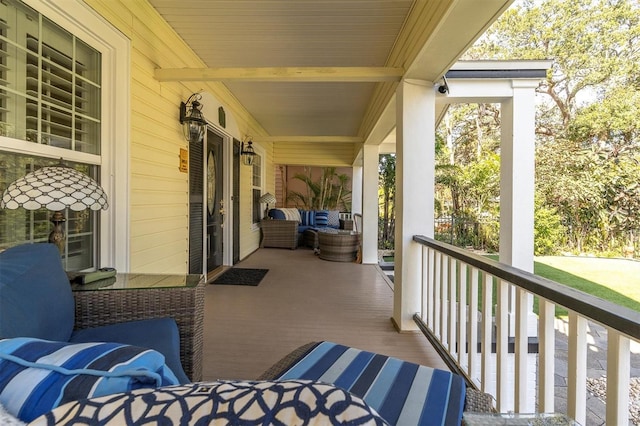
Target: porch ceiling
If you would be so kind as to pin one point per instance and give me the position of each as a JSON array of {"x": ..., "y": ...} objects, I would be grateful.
[{"x": 289, "y": 58}]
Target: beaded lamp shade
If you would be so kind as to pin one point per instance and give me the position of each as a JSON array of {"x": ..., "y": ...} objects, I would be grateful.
[
  {"x": 268, "y": 198},
  {"x": 55, "y": 188}
]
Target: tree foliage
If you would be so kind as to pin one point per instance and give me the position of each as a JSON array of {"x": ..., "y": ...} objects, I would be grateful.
[
  {"x": 387, "y": 195},
  {"x": 587, "y": 121},
  {"x": 329, "y": 192}
]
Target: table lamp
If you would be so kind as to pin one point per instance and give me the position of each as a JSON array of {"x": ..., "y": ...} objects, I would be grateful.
[
  {"x": 55, "y": 188},
  {"x": 268, "y": 198}
]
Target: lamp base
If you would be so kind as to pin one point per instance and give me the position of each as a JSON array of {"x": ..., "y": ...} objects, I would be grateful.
[{"x": 57, "y": 236}]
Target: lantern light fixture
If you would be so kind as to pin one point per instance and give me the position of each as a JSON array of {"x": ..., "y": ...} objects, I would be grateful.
[
  {"x": 247, "y": 152},
  {"x": 193, "y": 122}
]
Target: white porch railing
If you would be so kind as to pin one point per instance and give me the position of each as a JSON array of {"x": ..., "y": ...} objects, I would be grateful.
[{"x": 461, "y": 315}]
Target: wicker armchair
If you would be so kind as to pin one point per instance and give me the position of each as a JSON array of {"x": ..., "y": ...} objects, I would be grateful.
[
  {"x": 279, "y": 233},
  {"x": 184, "y": 304}
]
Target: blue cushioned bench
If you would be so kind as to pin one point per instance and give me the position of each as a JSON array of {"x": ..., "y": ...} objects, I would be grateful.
[{"x": 403, "y": 393}]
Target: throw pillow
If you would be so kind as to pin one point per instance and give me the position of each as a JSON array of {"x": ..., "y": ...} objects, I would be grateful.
[
  {"x": 334, "y": 218},
  {"x": 291, "y": 213},
  {"x": 322, "y": 218},
  {"x": 7, "y": 419},
  {"x": 286, "y": 402},
  {"x": 277, "y": 214},
  {"x": 308, "y": 217},
  {"x": 38, "y": 375}
]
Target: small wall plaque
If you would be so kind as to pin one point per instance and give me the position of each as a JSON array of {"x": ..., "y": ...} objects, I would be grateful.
[
  {"x": 184, "y": 161},
  {"x": 222, "y": 117}
]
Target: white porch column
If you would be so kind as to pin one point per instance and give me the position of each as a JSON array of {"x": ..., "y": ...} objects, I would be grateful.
[
  {"x": 415, "y": 175},
  {"x": 517, "y": 187},
  {"x": 369, "y": 204},
  {"x": 356, "y": 190},
  {"x": 517, "y": 176}
]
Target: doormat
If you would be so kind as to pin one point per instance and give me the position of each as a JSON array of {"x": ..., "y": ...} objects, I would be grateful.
[{"x": 241, "y": 276}]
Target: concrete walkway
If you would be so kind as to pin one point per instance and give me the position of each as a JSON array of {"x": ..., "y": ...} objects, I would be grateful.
[{"x": 596, "y": 369}]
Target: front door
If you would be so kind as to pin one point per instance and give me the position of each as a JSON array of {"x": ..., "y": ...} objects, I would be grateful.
[{"x": 215, "y": 209}]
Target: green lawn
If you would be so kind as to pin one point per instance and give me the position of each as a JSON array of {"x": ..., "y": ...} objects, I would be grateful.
[{"x": 616, "y": 280}]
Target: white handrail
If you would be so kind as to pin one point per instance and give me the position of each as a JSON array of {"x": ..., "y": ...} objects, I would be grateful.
[{"x": 458, "y": 311}]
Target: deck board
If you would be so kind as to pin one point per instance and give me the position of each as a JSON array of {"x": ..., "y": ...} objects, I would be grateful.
[{"x": 301, "y": 299}]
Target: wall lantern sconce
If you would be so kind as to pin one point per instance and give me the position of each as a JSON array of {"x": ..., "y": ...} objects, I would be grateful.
[
  {"x": 191, "y": 118},
  {"x": 247, "y": 152}
]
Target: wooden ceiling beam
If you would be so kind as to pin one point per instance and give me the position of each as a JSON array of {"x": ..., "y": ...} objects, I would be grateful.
[{"x": 284, "y": 74}]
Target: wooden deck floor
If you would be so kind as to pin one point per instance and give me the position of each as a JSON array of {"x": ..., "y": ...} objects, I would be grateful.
[{"x": 301, "y": 299}]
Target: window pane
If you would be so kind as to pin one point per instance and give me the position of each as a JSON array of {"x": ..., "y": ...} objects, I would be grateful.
[
  {"x": 10, "y": 125},
  {"x": 257, "y": 170},
  {"x": 21, "y": 226},
  {"x": 19, "y": 20},
  {"x": 88, "y": 62},
  {"x": 256, "y": 206},
  {"x": 50, "y": 82}
]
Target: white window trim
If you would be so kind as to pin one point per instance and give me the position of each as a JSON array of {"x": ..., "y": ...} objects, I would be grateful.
[
  {"x": 262, "y": 153},
  {"x": 79, "y": 19}
]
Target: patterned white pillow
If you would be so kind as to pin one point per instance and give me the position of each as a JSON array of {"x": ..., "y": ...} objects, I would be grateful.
[
  {"x": 334, "y": 219},
  {"x": 224, "y": 402},
  {"x": 7, "y": 419}
]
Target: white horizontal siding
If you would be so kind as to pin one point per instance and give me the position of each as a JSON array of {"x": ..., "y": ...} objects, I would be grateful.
[{"x": 313, "y": 154}]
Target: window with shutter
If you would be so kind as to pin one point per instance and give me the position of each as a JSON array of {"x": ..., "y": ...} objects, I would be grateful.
[{"x": 50, "y": 95}]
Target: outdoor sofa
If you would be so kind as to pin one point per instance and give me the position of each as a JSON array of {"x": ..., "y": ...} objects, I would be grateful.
[{"x": 292, "y": 227}]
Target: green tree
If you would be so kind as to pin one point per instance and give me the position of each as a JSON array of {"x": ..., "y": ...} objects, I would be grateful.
[
  {"x": 588, "y": 121},
  {"x": 387, "y": 194},
  {"x": 329, "y": 192}
]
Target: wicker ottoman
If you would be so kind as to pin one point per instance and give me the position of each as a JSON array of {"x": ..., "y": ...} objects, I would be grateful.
[{"x": 338, "y": 246}]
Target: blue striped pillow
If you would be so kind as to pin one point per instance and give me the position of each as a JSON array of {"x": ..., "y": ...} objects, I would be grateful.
[
  {"x": 38, "y": 375},
  {"x": 308, "y": 217},
  {"x": 322, "y": 218}
]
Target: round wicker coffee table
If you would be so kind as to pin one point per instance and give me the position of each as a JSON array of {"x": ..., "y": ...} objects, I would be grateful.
[{"x": 338, "y": 246}]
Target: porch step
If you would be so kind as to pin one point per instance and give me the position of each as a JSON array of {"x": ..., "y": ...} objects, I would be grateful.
[
  {"x": 532, "y": 345},
  {"x": 386, "y": 266}
]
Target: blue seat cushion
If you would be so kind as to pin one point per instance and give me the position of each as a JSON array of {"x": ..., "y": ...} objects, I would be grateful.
[
  {"x": 160, "y": 334},
  {"x": 402, "y": 392},
  {"x": 35, "y": 294},
  {"x": 302, "y": 228}
]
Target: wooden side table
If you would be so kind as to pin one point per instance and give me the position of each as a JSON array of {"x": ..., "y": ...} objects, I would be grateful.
[{"x": 130, "y": 297}]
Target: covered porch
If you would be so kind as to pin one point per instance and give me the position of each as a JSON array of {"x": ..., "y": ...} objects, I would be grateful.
[{"x": 302, "y": 299}]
